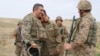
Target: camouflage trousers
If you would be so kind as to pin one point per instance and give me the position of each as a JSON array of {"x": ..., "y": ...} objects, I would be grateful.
[
  {"x": 87, "y": 51},
  {"x": 19, "y": 49},
  {"x": 62, "y": 49}
]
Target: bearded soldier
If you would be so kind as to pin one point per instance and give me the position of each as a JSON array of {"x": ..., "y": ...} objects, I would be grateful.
[{"x": 32, "y": 29}]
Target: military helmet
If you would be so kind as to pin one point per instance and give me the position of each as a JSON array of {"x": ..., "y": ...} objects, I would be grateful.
[
  {"x": 19, "y": 22},
  {"x": 58, "y": 18},
  {"x": 84, "y": 5}
]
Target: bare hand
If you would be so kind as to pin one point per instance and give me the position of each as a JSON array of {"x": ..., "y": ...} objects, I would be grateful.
[
  {"x": 34, "y": 45},
  {"x": 68, "y": 46},
  {"x": 57, "y": 51}
]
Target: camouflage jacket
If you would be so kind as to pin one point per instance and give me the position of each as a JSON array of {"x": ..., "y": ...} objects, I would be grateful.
[
  {"x": 32, "y": 29},
  {"x": 52, "y": 35},
  {"x": 63, "y": 33},
  {"x": 84, "y": 27}
]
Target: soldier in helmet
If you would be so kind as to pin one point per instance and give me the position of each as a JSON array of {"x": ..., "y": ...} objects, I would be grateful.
[
  {"x": 63, "y": 33},
  {"x": 84, "y": 42},
  {"x": 18, "y": 39}
]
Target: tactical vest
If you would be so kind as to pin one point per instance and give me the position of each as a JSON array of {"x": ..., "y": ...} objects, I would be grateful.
[
  {"x": 91, "y": 39},
  {"x": 37, "y": 29}
]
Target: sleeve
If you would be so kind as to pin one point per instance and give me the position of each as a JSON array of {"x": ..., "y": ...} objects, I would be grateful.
[
  {"x": 84, "y": 28},
  {"x": 26, "y": 28},
  {"x": 57, "y": 35}
]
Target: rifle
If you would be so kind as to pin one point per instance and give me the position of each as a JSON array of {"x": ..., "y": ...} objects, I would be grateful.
[
  {"x": 71, "y": 33},
  {"x": 17, "y": 35}
]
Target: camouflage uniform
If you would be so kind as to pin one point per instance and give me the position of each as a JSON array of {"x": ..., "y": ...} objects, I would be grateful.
[
  {"x": 32, "y": 29},
  {"x": 18, "y": 42},
  {"x": 80, "y": 45},
  {"x": 52, "y": 42},
  {"x": 62, "y": 36},
  {"x": 85, "y": 31}
]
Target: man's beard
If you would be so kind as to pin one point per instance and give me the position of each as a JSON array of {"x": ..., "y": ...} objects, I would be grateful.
[
  {"x": 39, "y": 18},
  {"x": 80, "y": 14}
]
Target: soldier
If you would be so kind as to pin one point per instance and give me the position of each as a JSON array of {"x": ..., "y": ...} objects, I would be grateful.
[
  {"x": 18, "y": 39},
  {"x": 32, "y": 30},
  {"x": 63, "y": 33},
  {"x": 52, "y": 45},
  {"x": 85, "y": 35}
]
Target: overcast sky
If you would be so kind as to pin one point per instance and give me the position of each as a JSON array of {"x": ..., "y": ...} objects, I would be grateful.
[{"x": 65, "y": 8}]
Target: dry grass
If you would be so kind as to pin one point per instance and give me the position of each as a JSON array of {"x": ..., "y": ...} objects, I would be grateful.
[
  {"x": 7, "y": 26},
  {"x": 6, "y": 46},
  {"x": 6, "y": 40}
]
